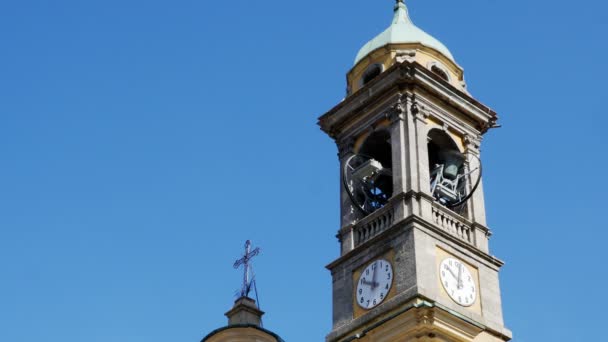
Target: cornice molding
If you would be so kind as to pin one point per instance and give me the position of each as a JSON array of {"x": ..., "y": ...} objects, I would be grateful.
[
  {"x": 416, "y": 222},
  {"x": 406, "y": 75},
  {"x": 412, "y": 318}
]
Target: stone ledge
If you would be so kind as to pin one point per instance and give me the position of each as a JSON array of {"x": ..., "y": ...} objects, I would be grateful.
[{"x": 421, "y": 320}]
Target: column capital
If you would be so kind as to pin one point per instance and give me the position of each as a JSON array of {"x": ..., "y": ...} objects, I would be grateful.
[
  {"x": 420, "y": 112},
  {"x": 472, "y": 143},
  {"x": 406, "y": 104},
  {"x": 398, "y": 110}
]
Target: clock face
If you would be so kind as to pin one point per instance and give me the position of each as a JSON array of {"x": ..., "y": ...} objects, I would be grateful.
[
  {"x": 374, "y": 284},
  {"x": 458, "y": 281}
]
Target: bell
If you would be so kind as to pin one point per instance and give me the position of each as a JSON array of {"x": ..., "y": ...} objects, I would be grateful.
[{"x": 452, "y": 161}]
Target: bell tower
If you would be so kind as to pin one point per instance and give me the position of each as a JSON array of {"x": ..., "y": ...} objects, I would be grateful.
[{"x": 414, "y": 262}]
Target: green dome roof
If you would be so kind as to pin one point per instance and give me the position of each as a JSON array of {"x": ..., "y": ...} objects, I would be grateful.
[{"x": 402, "y": 30}]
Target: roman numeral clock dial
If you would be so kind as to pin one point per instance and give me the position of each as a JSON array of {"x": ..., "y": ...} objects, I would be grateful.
[
  {"x": 374, "y": 284},
  {"x": 458, "y": 281}
]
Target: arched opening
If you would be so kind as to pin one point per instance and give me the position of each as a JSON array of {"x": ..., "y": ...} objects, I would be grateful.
[
  {"x": 440, "y": 72},
  {"x": 372, "y": 72},
  {"x": 439, "y": 144},
  {"x": 446, "y": 168},
  {"x": 377, "y": 146},
  {"x": 368, "y": 175}
]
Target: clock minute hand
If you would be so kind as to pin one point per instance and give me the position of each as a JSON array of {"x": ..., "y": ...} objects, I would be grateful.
[
  {"x": 374, "y": 283},
  {"x": 460, "y": 276}
]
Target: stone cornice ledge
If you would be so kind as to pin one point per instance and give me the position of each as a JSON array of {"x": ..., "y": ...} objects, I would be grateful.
[
  {"x": 402, "y": 75},
  {"x": 393, "y": 304},
  {"x": 408, "y": 223},
  {"x": 414, "y": 317}
]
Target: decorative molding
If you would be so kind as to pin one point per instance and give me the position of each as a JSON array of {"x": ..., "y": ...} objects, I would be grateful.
[
  {"x": 419, "y": 111},
  {"x": 472, "y": 142},
  {"x": 398, "y": 111},
  {"x": 419, "y": 321},
  {"x": 407, "y": 72},
  {"x": 492, "y": 123},
  {"x": 425, "y": 113},
  {"x": 472, "y": 145},
  {"x": 417, "y": 222},
  {"x": 425, "y": 316},
  {"x": 480, "y": 118},
  {"x": 405, "y": 56},
  {"x": 441, "y": 67},
  {"x": 414, "y": 107}
]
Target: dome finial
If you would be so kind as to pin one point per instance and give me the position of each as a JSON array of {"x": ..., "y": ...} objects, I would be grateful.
[
  {"x": 402, "y": 31},
  {"x": 401, "y": 13}
]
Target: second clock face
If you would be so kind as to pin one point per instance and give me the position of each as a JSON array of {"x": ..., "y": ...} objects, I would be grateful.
[
  {"x": 374, "y": 284},
  {"x": 458, "y": 281}
]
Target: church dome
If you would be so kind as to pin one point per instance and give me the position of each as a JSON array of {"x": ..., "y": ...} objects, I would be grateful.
[{"x": 402, "y": 31}]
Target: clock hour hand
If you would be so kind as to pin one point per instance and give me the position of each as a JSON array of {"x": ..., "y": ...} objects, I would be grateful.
[{"x": 370, "y": 283}]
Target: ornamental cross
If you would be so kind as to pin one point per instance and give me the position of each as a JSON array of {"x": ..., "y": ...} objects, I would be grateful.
[{"x": 245, "y": 261}]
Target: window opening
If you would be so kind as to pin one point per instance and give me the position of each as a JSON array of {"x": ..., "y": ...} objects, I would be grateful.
[
  {"x": 372, "y": 72},
  {"x": 440, "y": 72}
]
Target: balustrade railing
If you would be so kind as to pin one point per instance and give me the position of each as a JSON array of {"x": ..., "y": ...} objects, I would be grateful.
[
  {"x": 374, "y": 224},
  {"x": 383, "y": 218},
  {"x": 451, "y": 223}
]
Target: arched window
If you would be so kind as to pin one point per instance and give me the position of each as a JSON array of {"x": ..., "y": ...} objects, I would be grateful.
[
  {"x": 371, "y": 73},
  {"x": 368, "y": 174},
  {"x": 440, "y": 144},
  {"x": 439, "y": 70},
  {"x": 446, "y": 168}
]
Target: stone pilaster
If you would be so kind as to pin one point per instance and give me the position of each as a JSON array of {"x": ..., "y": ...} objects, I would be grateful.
[{"x": 476, "y": 204}]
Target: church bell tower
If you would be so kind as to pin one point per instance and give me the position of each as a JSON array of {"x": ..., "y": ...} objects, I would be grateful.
[{"x": 414, "y": 262}]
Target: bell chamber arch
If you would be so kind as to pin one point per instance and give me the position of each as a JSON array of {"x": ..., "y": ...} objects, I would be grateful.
[
  {"x": 452, "y": 180},
  {"x": 368, "y": 175}
]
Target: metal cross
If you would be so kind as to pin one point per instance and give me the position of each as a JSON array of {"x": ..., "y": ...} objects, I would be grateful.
[{"x": 246, "y": 262}]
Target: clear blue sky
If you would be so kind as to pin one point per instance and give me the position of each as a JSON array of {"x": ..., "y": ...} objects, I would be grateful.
[{"x": 141, "y": 142}]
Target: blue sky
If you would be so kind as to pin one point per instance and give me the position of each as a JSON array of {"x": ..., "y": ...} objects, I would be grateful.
[{"x": 141, "y": 142}]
